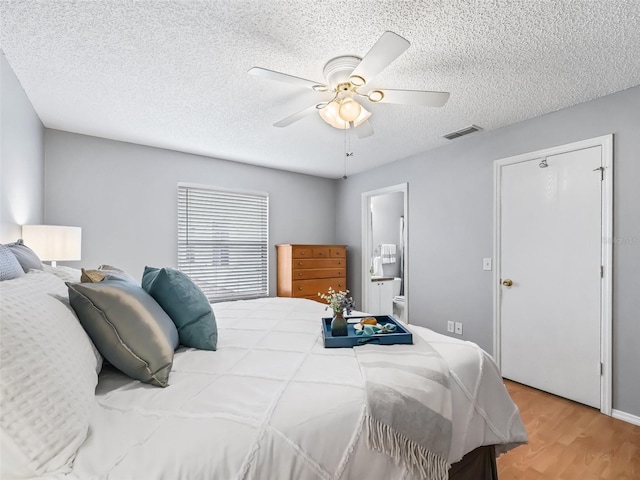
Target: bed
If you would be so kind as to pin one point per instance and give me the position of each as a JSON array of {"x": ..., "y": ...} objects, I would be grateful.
[{"x": 270, "y": 403}]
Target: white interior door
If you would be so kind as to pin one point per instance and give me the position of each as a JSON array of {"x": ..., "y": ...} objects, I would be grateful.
[{"x": 551, "y": 253}]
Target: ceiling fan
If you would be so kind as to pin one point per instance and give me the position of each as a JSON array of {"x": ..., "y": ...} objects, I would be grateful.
[{"x": 347, "y": 77}]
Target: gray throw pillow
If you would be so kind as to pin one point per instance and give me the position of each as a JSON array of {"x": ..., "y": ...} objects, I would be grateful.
[
  {"x": 128, "y": 327},
  {"x": 185, "y": 303},
  {"x": 26, "y": 257},
  {"x": 9, "y": 266}
]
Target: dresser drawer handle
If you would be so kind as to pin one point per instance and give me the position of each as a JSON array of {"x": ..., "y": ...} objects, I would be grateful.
[
  {"x": 300, "y": 274},
  {"x": 320, "y": 254},
  {"x": 339, "y": 263},
  {"x": 302, "y": 253},
  {"x": 299, "y": 288},
  {"x": 340, "y": 285},
  {"x": 300, "y": 264}
]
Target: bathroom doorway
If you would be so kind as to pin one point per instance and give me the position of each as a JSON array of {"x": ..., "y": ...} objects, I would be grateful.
[{"x": 385, "y": 252}]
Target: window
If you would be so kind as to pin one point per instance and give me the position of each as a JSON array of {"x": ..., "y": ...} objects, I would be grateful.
[{"x": 223, "y": 241}]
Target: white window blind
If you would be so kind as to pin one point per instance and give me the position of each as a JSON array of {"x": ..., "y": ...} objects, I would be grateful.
[{"x": 223, "y": 242}]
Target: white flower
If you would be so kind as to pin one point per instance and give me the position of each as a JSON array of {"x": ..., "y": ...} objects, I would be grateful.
[{"x": 338, "y": 301}]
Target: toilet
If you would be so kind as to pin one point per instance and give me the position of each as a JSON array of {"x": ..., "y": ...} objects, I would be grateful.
[{"x": 399, "y": 311}]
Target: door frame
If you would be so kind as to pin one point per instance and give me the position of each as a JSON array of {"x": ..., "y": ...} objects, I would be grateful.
[
  {"x": 606, "y": 286},
  {"x": 367, "y": 249}
]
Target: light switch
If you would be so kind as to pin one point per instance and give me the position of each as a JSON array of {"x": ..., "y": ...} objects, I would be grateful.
[{"x": 486, "y": 264}]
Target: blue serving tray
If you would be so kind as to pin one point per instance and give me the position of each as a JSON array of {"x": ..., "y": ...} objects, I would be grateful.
[{"x": 401, "y": 335}]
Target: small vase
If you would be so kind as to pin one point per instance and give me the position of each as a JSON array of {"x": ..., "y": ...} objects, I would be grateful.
[{"x": 339, "y": 326}]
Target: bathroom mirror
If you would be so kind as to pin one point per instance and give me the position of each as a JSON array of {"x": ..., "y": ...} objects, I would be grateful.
[{"x": 385, "y": 252}]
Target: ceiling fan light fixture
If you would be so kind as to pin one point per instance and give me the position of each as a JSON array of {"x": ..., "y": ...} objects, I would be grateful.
[
  {"x": 320, "y": 88},
  {"x": 349, "y": 110},
  {"x": 330, "y": 114},
  {"x": 375, "y": 96}
]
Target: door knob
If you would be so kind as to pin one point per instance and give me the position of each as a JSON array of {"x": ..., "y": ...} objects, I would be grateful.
[{"x": 507, "y": 282}]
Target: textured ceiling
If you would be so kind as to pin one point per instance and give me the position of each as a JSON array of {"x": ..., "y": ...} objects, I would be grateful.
[{"x": 172, "y": 74}]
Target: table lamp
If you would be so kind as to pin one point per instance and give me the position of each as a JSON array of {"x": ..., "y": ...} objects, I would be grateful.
[{"x": 55, "y": 243}]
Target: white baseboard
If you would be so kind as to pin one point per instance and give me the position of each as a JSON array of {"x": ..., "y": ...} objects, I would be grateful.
[{"x": 625, "y": 417}]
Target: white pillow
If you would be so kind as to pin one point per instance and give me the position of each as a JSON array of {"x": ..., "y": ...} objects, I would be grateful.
[
  {"x": 47, "y": 378},
  {"x": 9, "y": 266},
  {"x": 67, "y": 274}
]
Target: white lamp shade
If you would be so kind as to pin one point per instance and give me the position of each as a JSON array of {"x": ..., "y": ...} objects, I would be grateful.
[
  {"x": 363, "y": 117},
  {"x": 330, "y": 115},
  {"x": 53, "y": 242},
  {"x": 349, "y": 110}
]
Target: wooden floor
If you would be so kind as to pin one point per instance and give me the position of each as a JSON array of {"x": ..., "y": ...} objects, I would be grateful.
[{"x": 569, "y": 441}]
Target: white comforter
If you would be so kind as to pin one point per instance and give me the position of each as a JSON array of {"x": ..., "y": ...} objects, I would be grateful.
[{"x": 273, "y": 403}]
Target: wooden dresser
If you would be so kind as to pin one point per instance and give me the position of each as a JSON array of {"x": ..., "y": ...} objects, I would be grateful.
[{"x": 306, "y": 270}]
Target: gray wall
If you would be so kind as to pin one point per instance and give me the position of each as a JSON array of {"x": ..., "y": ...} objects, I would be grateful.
[
  {"x": 124, "y": 196},
  {"x": 21, "y": 158},
  {"x": 450, "y": 224}
]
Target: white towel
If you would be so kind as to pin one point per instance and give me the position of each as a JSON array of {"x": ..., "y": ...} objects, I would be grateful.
[
  {"x": 377, "y": 267},
  {"x": 388, "y": 252}
]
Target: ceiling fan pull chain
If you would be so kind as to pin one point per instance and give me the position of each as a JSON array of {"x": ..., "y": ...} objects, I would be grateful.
[{"x": 346, "y": 154}]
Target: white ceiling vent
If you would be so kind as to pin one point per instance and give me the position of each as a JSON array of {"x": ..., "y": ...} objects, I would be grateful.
[{"x": 463, "y": 131}]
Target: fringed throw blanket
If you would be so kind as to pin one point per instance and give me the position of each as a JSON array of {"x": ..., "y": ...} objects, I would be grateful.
[{"x": 408, "y": 405}]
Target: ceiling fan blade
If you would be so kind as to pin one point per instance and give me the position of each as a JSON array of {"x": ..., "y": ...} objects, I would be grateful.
[
  {"x": 364, "y": 130},
  {"x": 296, "y": 116},
  {"x": 388, "y": 47},
  {"x": 283, "y": 77},
  {"x": 415, "y": 97}
]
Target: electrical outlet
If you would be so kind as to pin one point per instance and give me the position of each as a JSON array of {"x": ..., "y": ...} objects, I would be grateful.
[
  {"x": 486, "y": 264},
  {"x": 450, "y": 327},
  {"x": 459, "y": 328}
]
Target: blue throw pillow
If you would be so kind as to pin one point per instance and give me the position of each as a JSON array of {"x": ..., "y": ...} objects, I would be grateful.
[{"x": 185, "y": 304}]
